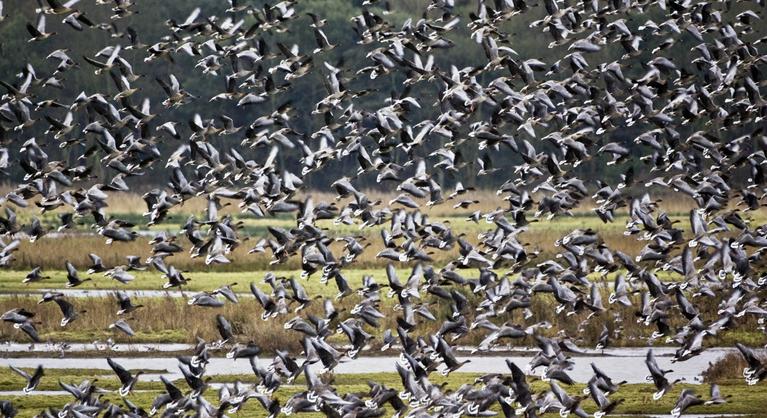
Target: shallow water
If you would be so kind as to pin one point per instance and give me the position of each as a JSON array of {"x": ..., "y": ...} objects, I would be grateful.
[
  {"x": 14, "y": 347},
  {"x": 34, "y": 393},
  {"x": 84, "y": 233},
  {"x": 91, "y": 293},
  {"x": 629, "y": 367}
]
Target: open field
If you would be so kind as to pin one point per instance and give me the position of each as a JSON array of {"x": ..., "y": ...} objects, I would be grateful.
[
  {"x": 10, "y": 281},
  {"x": 637, "y": 398}
]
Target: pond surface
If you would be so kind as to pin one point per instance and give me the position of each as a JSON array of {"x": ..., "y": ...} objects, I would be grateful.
[
  {"x": 622, "y": 364},
  {"x": 102, "y": 293}
]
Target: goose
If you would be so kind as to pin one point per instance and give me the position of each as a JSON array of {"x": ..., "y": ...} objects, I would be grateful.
[
  {"x": 97, "y": 265},
  {"x": 7, "y": 409},
  {"x": 171, "y": 397},
  {"x": 55, "y": 7},
  {"x": 35, "y": 275},
  {"x": 225, "y": 330},
  {"x": 124, "y": 326},
  {"x": 126, "y": 306},
  {"x": 206, "y": 299},
  {"x": 22, "y": 319},
  {"x": 756, "y": 369},
  {"x": 68, "y": 310},
  {"x": 687, "y": 399},
  {"x": 73, "y": 280},
  {"x": 17, "y": 316},
  {"x": 127, "y": 379},
  {"x": 451, "y": 363},
  {"x": 356, "y": 335},
  {"x": 33, "y": 380},
  {"x": 134, "y": 263},
  {"x": 76, "y": 21},
  {"x": 605, "y": 405},
  {"x": 120, "y": 275},
  {"x": 658, "y": 376},
  {"x": 249, "y": 350},
  {"x": 569, "y": 404},
  {"x": 38, "y": 30},
  {"x": 113, "y": 53},
  {"x": 602, "y": 381},
  {"x": 271, "y": 309},
  {"x": 716, "y": 397}
]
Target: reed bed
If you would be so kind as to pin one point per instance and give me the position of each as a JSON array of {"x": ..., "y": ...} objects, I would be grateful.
[
  {"x": 132, "y": 204},
  {"x": 489, "y": 199},
  {"x": 729, "y": 368},
  {"x": 180, "y": 322},
  {"x": 539, "y": 238}
]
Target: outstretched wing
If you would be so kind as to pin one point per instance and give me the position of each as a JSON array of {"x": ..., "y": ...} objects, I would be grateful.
[{"x": 122, "y": 374}]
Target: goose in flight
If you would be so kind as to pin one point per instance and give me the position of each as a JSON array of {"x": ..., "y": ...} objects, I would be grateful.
[
  {"x": 127, "y": 379},
  {"x": 33, "y": 380}
]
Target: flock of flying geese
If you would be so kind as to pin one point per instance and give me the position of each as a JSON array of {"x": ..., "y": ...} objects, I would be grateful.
[{"x": 696, "y": 119}]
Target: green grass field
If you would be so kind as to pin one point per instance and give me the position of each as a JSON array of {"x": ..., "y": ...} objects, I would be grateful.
[
  {"x": 10, "y": 281},
  {"x": 637, "y": 397}
]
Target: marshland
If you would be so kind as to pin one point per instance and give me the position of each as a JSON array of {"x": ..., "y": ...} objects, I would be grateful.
[{"x": 369, "y": 208}]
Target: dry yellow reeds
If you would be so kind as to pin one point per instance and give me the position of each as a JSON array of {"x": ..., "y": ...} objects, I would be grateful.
[{"x": 169, "y": 319}]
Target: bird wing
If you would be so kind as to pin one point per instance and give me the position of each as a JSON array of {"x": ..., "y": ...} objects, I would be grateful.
[
  {"x": 164, "y": 86},
  {"x": 21, "y": 373},
  {"x": 175, "y": 86},
  {"x": 192, "y": 17},
  {"x": 66, "y": 308},
  {"x": 715, "y": 394},
  {"x": 124, "y": 327},
  {"x": 31, "y": 331},
  {"x": 40, "y": 23},
  {"x": 122, "y": 374},
  {"x": 32, "y": 31},
  {"x": 71, "y": 271},
  {"x": 263, "y": 299},
  {"x": 115, "y": 52},
  {"x": 38, "y": 373},
  {"x": 122, "y": 297},
  {"x": 173, "y": 391},
  {"x": 224, "y": 327},
  {"x": 598, "y": 395}
]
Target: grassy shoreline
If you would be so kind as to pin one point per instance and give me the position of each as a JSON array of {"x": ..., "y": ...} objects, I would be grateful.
[{"x": 637, "y": 397}]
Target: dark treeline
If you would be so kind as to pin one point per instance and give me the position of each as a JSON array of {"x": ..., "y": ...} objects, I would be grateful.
[{"x": 150, "y": 23}]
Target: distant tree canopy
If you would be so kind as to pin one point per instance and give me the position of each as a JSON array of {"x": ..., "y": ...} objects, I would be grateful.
[{"x": 150, "y": 23}]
